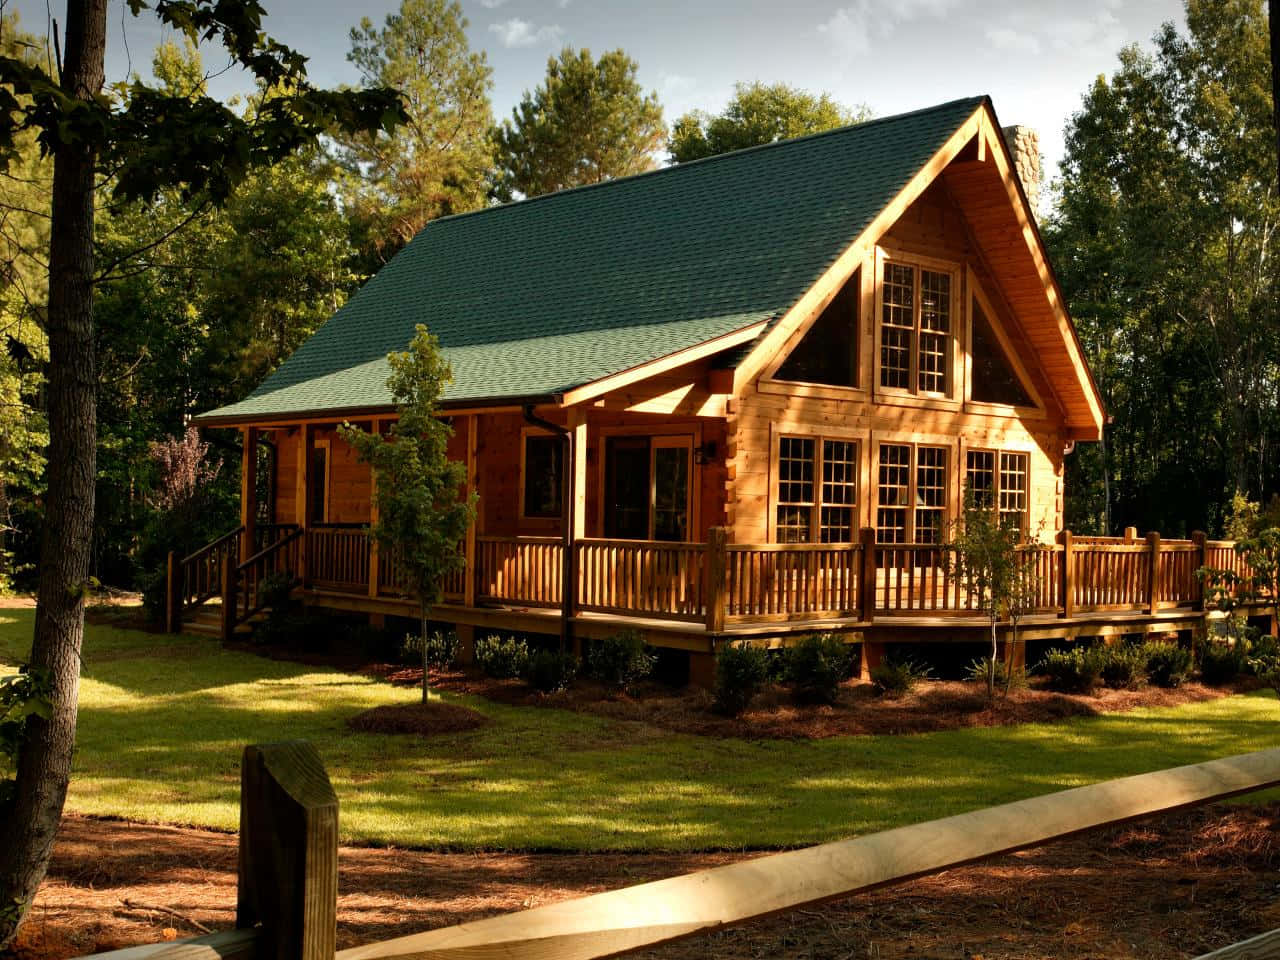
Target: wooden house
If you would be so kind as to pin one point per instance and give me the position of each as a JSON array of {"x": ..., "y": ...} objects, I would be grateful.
[{"x": 740, "y": 397}]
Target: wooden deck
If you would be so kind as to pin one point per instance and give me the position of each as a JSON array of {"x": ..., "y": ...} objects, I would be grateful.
[{"x": 692, "y": 595}]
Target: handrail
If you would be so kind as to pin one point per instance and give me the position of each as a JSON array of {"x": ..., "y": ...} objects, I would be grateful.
[
  {"x": 269, "y": 549},
  {"x": 243, "y": 596},
  {"x": 214, "y": 544}
]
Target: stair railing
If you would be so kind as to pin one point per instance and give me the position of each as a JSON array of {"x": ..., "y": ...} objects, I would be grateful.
[
  {"x": 194, "y": 579},
  {"x": 242, "y": 594}
]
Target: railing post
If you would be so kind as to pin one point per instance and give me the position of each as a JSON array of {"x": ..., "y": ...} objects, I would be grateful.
[
  {"x": 1153, "y": 580},
  {"x": 1199, "y": 560},
  {"x": 1067, "y": 576},
  {"x": 717, "y": 567},
  {"x": 1130, "y": 534},
  {"x": 288, "y": 871},
  {"x": 228, "y": 596},
  {"x": 172, "y": 595},
  {"x": 867, "y": 574}
]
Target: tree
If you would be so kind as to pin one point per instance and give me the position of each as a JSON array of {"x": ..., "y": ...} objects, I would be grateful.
[
  {"x": 588, "y": 122},
  {"x": 148, "y": 142},
  {"x": 438, "y": 163},
  {"x": 421, "y": 518},
  {"x": 759, "y": 113}
]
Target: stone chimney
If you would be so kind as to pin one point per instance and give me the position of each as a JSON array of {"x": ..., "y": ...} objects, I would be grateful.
[{"x": 1024, "y": 145}]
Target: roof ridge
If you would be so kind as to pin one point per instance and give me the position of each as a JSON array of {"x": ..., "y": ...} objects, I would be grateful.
[{"x": 614, "y": 181}]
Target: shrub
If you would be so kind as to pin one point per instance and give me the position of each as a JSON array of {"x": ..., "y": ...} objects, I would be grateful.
[
  {"x": 1124, "y": 667},
  {"x": 550, "y": 671},
  {"x": 1075, "y": 670},
  {"x": 977, "y": 673},
  {"x": 816, "y": 666},
  {"x": 442, "y": 649},
  {"x": 1221, "y": 663},
  {"x": 502, "y": 657},
  {"x": 741, "y": 670},
  {"x": 897, "y": 678},
  {"x": 620, "y": 661},
  {"x": 1168, "y": 665}
]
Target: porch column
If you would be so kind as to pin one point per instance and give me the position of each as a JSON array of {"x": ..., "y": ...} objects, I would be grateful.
[
  {"x": 248, "y": 491},
  {"x": 472, "y": 486},
  {"x": 576, "y": 521},
  {"x": 302, "y": 499},
  {"x": 375, "y": 427}
]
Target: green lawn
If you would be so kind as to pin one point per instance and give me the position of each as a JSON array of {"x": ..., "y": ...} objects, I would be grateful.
[{"x": 163, "y": 719}]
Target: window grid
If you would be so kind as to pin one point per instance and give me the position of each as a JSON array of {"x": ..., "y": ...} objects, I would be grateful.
[
  {"x": 897, "y": 325},
  {"x": 916, "y": 329},
  {"x": 839, "y": 491},
  {"x": 931, "y": 494},
  {"x": 1013, "y": 489},
  {"x": 980, "y": 477},
  {"x": 894, "y": 490},
  {"x": 935, "y": 330},
  {"x": 795, "y": 489}
]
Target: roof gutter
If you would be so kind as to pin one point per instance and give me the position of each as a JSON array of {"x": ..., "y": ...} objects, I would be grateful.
[{"x": 569, "y": 559}]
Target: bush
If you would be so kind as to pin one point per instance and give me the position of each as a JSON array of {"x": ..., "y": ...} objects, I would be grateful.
[
  {"x": 1168, "y": 665},
  {"x": 1124, "y": 667},
  {"x": 816, "y": 666},
  {"x": 897, "y": 678},
  {"x": 502, "y": 657},
  {"x": 1075, "y": 670},
  {"x": 620, "y": 661},
  {"x": 550, "y": 671},
  {"x": 442, "y": 649},
  {"x": 741, "y": 670},
  {"x": 977, "y": 672},
  {"x": 1221, "y": 663}
]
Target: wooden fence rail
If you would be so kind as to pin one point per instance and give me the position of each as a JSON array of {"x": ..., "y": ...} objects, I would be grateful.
[{"x": 288, "y": 869}]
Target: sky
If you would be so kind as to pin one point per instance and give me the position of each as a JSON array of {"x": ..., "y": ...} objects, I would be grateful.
[{"x": 1035, "y": 58}]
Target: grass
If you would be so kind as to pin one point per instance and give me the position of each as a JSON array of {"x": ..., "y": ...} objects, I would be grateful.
[{"x": 163, "y": 721}]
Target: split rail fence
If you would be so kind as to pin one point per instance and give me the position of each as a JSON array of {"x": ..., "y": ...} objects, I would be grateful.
[{"x": 288, "y": 870}]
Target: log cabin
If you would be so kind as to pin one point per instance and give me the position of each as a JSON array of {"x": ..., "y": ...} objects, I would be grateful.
[{"x": 739, "y": 398}]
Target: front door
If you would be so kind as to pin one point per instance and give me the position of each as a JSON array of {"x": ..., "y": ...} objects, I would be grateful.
[{"x": 648, "y": 487}]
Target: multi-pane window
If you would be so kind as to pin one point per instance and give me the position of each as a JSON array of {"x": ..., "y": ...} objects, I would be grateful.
[
  {"x": 911, "y": 493},
  {"x": 915, "y": 329},
  {"x": 1005, "y": 484},
  {"x": 810, "y": 508}
]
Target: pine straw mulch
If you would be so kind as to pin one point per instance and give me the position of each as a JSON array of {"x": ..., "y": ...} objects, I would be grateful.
[
  {"x": 424, "y": 719},
  {"x": 1176, "y": 886}
]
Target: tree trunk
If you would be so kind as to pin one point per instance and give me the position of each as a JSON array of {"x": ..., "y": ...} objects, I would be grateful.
[
  {"x": 1275, "y": 75},
  {"x": 44, "y": 761}
]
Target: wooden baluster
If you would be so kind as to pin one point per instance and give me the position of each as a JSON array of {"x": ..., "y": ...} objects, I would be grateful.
[
  {"x": 1067, "y": 587},
  {"x": 716, "y": 560},
  {"x": 1153, "y": 589}
]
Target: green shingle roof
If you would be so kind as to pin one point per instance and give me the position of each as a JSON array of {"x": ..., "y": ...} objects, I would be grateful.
[{"x": 535, "y": 298}]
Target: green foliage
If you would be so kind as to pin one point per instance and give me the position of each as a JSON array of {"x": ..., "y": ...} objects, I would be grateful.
[
  {"x": 588, "y": 121},
  {"x": 1168, "y": 664},
  {"x": 442, "y": 649},
  {"x": 758, "y": 113},
  {"x": 550, "y": 671},
  {"x": 620, "y": 661},
  {"x": 438, "y": 163},
  {"x": 981, "y": 669},
  {"x": 1124, "y": 666},
  {"x": 1077, "y": 669},
  {"x": 741, "y": 672},
  {"x": 816, "y": 666},
  {"x": 896, "y": 677},
  {"x": 22, "y": 696},
  {"x": 502, "y": 657},
  {"x": 1221, "y": 663}
]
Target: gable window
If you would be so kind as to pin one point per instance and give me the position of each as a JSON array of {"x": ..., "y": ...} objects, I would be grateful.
[
  {"x": 817, "y": 490},
  {"x": 915, "y": 329},
  {"x": 993, "y": 377},
  {"x": 911, "y": 493},
  {"x": 828, "y": 352},
  {"x": 542, "y": 482},
  {"x": 999, "y": 477}
]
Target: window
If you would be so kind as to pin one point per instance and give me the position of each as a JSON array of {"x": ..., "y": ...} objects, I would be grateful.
[
  {"x": 911, "y": 493},
  {"x": 1005, "y": 486},
  {"x": 915, "y": 329},
  {"x": 994, "y": 379},
  {"x": 828, "y": 353},
  {"x": 817, "y": 490},
  {"x": 543, "y": 481},
  {"x": 318, "y": 478}
]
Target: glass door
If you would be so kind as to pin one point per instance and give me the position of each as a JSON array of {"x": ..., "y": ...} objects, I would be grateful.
[
  {"x": 648, "y": 487},
  {"x": 670, "y": 484}
]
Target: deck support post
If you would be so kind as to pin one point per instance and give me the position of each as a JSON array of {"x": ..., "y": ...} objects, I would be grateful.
[
  {"x": 466, "y": 634},
  {"x": 306, "y": 445},
  {"x": 1198, "y": 537},
  {"x": 228, "y": 596},
  {"x": 1067, "y": 584},
  {"x": 469, "y": 545},
  {"x": 1153, "y": 576},
  {"x": 867, "y": 574},
  {"x": 375, "y": 560},
  {"x": 716, "y": 570},
  {"x": 1130, "y": 534},
  {"x": 248, "y": 492},
  {"x": 871, "y": 655},
  {"x": 172, "y": 594}
]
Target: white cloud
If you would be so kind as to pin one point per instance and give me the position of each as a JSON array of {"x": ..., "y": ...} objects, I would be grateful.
[
  {"x": 853, "y": 28},
  {"x": 521, "y": 33},
  {"x": 675, "y": 82},
  {"x": 492, "y": 4},
  {"x": 563, "y": 3},
  {"x": 1006, "y": 38}
]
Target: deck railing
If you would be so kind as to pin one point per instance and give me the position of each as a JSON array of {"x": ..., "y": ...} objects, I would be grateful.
[{"x": 717, "y": 583}]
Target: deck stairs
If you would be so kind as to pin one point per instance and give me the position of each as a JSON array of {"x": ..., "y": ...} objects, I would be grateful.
[{"x": 206, "y": 621}]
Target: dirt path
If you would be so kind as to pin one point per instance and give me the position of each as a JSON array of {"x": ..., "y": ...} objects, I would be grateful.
[{"x": 1177, "y": 886}]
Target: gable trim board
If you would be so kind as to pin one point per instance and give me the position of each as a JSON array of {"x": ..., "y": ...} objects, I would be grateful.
[{"x": 570, "y": 357}]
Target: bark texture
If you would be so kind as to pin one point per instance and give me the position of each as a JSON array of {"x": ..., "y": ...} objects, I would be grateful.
[{"x": 44, "y": 764}]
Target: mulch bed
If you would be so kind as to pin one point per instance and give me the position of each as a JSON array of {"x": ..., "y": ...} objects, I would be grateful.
[
  {"x": 424, "y": 719},
  {"x": 1175, "y": 886}
]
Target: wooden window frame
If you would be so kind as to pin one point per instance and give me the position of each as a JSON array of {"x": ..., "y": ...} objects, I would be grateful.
[
  {"x": 819, "y": 439},
  {"x": 948, "y": 448},
  {"x": 670, "y": 441},
  {"x": 959, "y": 324},
  {"x": 997, "y": 482},
  {"x": 525, "y": 434}
]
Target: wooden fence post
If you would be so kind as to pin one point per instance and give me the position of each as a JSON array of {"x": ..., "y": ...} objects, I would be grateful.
[
  {"x": 1068, "y": 576},
  {"x": 867, "y": 574},
  {"x": 288, "y": 852},
  {"x": 1198, "y": 537},
  {"x": 1130, "y": 534},
  {"x": 172, "y": 595},
  {"x": 1153, "y": 580},
  {"x": 228, "y": 595},
  {"x": 717, "y": 564}
]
